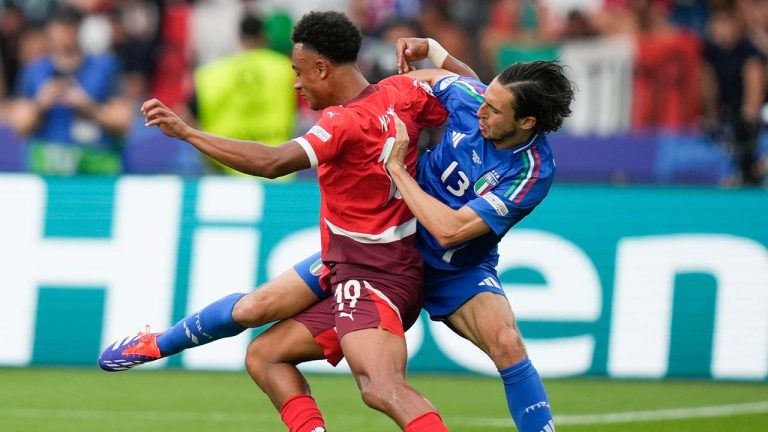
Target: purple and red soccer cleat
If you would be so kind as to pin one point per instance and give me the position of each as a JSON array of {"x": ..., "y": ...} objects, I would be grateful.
[{"x": 129, "y": 352}]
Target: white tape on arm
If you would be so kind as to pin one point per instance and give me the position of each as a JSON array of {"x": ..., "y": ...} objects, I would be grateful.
[{"x": 436, "y": 54}]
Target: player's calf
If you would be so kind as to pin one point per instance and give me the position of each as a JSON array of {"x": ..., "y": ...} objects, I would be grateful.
[{"x": 211, "y": 323}]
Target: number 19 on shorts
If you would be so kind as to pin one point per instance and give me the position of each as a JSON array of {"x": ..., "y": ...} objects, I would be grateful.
[{"x": 347, "y": 294}]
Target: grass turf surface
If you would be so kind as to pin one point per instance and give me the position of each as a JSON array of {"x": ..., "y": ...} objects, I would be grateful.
[{"x": 61, "y": 400}]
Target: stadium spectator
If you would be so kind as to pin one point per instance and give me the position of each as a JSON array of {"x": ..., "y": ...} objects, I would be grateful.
[
  {"x": 32, "y": 47},
  {"x": 518, "y": 30},
  {"x": 36, "y": 12},
  {"x": 615, "y": 18},
  {"x": 756, "y": 17},
  {"x": 172, "y": 81},
  {"x": 15, "y": 113},
  {"x": 248, "y": 95},
  {"x": 75, "y": 104},
  {"x": 691, "y": 14},
  {"x": 437, "y": 23},
  {"x": 134, "y": 37},
  {"x": 375, "y": 60},
  {"x": 577, "y": 26},
  {"x": 12, "y": 24},
  {"x": 666, "y": 94},
  {"x": 734, "y": 90},
  {"x": 554, "y": 16}
]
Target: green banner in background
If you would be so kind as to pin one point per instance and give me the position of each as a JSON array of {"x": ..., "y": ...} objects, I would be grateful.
[{"x": 617, "y": 281}]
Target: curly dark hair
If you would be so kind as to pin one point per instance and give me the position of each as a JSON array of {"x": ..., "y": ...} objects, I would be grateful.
[
  {"x": 330, "y": 34},
  {"x": 541, "y": 90}
]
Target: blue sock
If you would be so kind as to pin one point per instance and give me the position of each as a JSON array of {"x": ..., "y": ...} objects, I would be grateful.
[
  {"x": 526, "y": 398},
  {"x": 209, "y": 324}
]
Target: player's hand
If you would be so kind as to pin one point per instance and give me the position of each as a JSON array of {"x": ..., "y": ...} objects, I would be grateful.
[
  {"x": 157, "y": 114},
  {"x": 76, "y": 97},
  {"x": 410, "y": 50},
  {"x": 50, "y": 93},
  {"x": 396, "y": 158}
]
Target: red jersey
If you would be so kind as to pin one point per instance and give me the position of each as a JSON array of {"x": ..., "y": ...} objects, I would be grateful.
[{"x": 366, "y": 228}]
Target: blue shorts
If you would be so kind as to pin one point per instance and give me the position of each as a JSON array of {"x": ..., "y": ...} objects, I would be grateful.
[
  {"x": 444, "y": 290},
  {"x": 447, "y": 290},
  {"x": 310, "y": 270}
]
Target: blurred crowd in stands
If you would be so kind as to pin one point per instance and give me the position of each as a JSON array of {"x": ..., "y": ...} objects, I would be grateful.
[{"x": 74, "y": 73}]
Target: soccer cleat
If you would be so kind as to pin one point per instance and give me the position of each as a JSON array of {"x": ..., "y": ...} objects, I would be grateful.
[{"x": 129, "y": 352}]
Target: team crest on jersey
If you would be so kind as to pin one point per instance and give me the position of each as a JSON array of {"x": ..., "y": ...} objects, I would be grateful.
[
  {"x": 486, "y": 182},
  {"x": 320, "y": 133},
  {"x": 424, "y": 86},
  {"x": 317, "y": 268}
]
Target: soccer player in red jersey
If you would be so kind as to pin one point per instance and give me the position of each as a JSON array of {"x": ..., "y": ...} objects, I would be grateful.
[{"x": 368, "y": 241}]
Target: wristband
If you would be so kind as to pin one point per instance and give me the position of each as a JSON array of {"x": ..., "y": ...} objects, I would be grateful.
[{"x": 436, "y": 54}]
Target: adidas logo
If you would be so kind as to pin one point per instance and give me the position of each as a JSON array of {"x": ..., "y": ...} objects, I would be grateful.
[
  {"x": 189, "y": 334},
  {"x": 549, "y": 427},
  {"x": 489, "y": 281},
  {"x": 318, "y": 429},
  {"x": 456, "y": 137}
]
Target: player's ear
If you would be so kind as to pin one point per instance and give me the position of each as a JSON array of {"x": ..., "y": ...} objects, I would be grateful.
[
  {"x": 527, "y": 122},
  {"x": 322, "y": 66}
]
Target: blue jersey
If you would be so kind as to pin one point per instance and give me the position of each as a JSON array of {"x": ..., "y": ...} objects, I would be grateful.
[
  {"x": 501, "y": 186},
  {"x": 98, "y": 76}
]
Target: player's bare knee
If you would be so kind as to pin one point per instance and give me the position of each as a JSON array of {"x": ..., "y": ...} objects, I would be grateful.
[
  {"x": 506, "y": 347},
  {"x": 259, "y": 357},
  {"x": 372, "y": 398},
  {"x": 381, "y": 394},
  {"x": 253, "y": 310}
]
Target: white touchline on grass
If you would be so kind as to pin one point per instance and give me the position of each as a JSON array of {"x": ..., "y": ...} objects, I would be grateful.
[
  {"x": 506, "y": 422},
  {"x": 631, "y": 416},
  {"x": 164, "y": 415}
]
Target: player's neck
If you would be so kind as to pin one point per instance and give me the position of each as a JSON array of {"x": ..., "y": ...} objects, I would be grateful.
[
  {"x": 514, "y": 140},
  {"x": 350, "y": 82}
]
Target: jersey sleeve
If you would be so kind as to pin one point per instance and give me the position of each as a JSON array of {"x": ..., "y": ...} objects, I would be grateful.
[
  {"x": 325, "y": 140},
  {"x": 417, "y": 97},
  {"x": 113, "y": 70},
  {"x": 461, "y": 97},
  {"x": 515, "y": 197},
  {"x": 28, "y": 83}
]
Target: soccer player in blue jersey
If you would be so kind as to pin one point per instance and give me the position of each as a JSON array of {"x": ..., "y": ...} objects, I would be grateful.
[
  {"x": 472, "y": 188},
  {"x": 492, "y": 168}
]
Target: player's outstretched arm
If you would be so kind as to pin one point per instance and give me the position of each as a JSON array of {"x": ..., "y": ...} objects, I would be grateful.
[
  {"x": 449, "y": 227},
  {"x": 414, "y": 49},
  {"x": 248, "y": 157}
]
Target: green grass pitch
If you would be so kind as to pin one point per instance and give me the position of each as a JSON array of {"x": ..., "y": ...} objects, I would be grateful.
[{"x": 61, "y": 400}]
